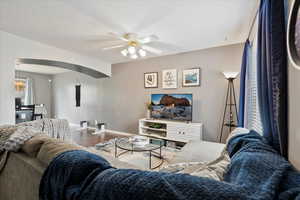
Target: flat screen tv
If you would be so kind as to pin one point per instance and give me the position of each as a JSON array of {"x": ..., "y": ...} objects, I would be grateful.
[{"x": 172, "y": 106}]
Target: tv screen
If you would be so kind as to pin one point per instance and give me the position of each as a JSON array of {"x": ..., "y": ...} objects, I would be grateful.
[{"x": 172, "y": 106}]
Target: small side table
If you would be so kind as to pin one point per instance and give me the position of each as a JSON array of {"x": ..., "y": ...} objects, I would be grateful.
[{"x": 128, "y": 146}]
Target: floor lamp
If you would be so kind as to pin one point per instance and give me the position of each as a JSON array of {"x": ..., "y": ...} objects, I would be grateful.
[{"x": 230, "y": 103}]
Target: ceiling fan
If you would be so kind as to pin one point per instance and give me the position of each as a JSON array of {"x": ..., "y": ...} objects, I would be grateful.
[{"x": 133, "y": 46}]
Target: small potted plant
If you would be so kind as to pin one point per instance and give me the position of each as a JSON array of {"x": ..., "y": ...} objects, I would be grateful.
[{"x": 149, "y": 109}]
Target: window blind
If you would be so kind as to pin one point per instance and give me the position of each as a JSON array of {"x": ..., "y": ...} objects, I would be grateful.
[{"x": 253, "y": 119}]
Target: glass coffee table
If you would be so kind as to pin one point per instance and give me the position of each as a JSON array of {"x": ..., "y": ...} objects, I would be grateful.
[{"x": 127, "y": 145}]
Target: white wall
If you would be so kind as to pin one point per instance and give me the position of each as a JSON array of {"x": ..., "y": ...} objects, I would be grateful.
[
  {"x": 13, "y": 47},
  {"x": 294, "y": 113},
  {"x": 63, "y": 86},
  {"x": 42, "y": 88}
]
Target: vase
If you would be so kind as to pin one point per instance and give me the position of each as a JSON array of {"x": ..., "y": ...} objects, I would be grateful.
[{"x": 148, "y": 114}]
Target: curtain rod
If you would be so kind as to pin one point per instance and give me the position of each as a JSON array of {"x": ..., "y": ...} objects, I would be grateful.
[{"x": 253, "y": 22}]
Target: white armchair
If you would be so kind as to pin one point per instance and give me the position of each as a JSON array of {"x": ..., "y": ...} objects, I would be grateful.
[
  {"x": 198, "y": 151},
  {"x": 203, "y": 151}
]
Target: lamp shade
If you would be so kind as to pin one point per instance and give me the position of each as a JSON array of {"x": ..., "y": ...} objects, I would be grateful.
[{"x": 229, "y": 75}]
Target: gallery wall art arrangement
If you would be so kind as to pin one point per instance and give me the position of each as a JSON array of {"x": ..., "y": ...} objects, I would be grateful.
[{"x": 190, "y": 78}]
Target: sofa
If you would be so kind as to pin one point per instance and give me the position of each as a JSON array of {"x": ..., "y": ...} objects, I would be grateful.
[
  {"x": 24, "y": 172},
  {"x": 256, "y": 171},
  {"x": 21, "y": 175},
  {"x": 20, "y": 178}
]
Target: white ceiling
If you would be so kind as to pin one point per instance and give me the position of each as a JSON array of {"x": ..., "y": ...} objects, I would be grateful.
[
  {"x": 41, "y": 69},
  {"x": 83, "y": 25}
]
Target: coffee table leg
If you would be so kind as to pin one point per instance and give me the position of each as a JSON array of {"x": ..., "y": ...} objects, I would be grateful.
[
  {"x": 160, "y": 152},
  {"x": 150, "y": 166},
  {"x": 116, "y": 150}
]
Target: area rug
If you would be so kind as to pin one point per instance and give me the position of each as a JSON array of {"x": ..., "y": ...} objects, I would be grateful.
[{"x": 139, "y": 159}]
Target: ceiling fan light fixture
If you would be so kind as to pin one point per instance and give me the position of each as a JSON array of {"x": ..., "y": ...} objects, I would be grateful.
[
  {"x": 142, "y": 53},
  {"x": 133, "y": 56},
  {"x": 134, "y": 47},
  {"x": 124, "y": 52},
  {"x": 131, "y": 50}
]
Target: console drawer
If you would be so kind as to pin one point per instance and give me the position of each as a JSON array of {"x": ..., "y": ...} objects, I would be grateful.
[{"x": 183, "y": 132}]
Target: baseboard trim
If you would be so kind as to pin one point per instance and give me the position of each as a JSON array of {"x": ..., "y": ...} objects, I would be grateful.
[
  {"x": 118, "y": 132},
  {"x": 106, "y": 130}
]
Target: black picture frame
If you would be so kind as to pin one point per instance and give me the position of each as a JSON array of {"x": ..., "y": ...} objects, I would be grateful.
[
  {"x": 77, "y": 95},
  {"x": 145, "y": 83}
]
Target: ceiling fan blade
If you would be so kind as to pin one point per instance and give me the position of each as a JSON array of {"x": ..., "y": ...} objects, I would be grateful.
[
  {"x": 113, "y": 47},
  {"x": 119, "y": 36},
  {"x": 152, "y": 49},
  {"x": 148, "y": 39},
  {"x": 168, "y": 47}
]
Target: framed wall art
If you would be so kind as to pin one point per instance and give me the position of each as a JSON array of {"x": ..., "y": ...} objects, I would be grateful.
[
  {"x": 151, "y": 80},
  {"x": 191, "y": 77},
  {"x": 169, "y": 79}
]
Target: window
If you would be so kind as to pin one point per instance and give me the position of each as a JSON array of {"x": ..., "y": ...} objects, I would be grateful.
[
  {"x": 20, "y": 88},
  {"x": 253, "y": 119}
]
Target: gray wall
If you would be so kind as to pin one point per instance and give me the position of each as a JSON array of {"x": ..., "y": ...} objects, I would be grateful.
[
  {"x": 294, "y": 114},
  {"x": 125, "y": 95},
  {"x": 42, "y": 88},
  {"x": 120, "y": 100},
  {"x": 64, "y": 97}
]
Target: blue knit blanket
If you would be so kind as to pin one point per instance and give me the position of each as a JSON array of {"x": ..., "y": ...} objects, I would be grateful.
[{"x": 256, "y": 172}]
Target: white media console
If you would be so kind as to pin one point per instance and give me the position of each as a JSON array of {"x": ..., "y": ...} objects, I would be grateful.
[{"x": 170, "y": 130}]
